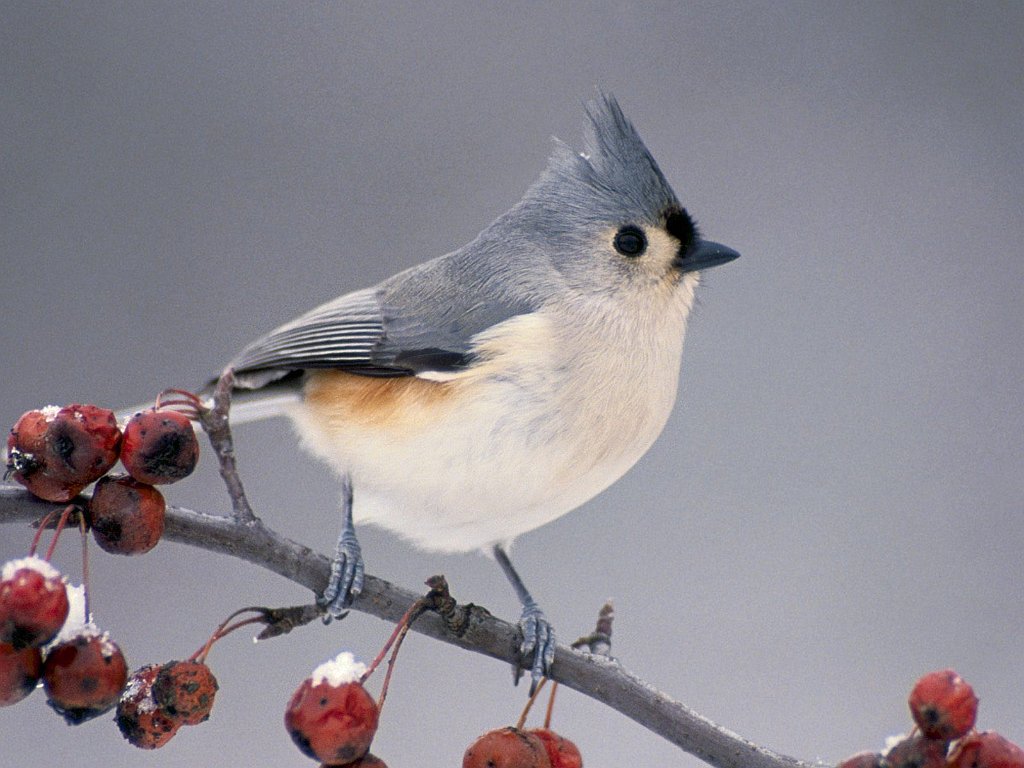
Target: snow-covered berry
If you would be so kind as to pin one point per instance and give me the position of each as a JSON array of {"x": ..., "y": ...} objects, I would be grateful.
[
  {"x": 141, "y": 721},
  {"x": 33, "y": 602},
  {"x": 331, "y": 717}
]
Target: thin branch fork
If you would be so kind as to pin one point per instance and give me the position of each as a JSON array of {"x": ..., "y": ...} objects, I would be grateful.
[{"x": 602, "y": 679}]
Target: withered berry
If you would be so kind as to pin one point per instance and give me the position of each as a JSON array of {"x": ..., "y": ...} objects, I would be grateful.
[
  {"x": 126, "y": 516},
  {"x": 159, "y": 447},
  {"x": 506, "y": 748},
  {"x": 84, "y": 676}
]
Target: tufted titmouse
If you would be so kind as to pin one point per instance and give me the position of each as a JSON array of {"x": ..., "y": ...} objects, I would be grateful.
[{"x": 485, "y": 393}]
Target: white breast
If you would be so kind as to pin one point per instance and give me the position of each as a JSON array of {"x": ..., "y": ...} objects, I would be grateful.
[{"x": 553, "y": 415}]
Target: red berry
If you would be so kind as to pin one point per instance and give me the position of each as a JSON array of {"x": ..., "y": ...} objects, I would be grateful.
[
  {"x": 33, "y": 602},
  {"x": 140, "y": 720},
  {"x": 561, "y": 752},
  {"x": 159, "y": 447},
  {"x": 506, "y": 748},
  {"x": 127, "y": 517},
  {"x": 185, "y": 690},
  {"x": 943, "y": 705},
  {"x": 863, "y": 760},
  {"x": 84, "y": 676},
  {"x": 29, "y": 460},
  {"x": 19, "y": 672},
  {"x": 331, "y": 717},
  {"x": 917, "y": 752},
  {"x": 987, "y": 750},
  {"x": 82, "y": 443}
]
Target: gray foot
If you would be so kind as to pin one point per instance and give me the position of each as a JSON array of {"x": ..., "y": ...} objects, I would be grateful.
[
  {"x": 538, "y": 639},
  {"x": 346, "y": 579}
]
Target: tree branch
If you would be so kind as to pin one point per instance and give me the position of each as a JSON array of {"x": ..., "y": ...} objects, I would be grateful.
[{"x": 602, "y": 679}]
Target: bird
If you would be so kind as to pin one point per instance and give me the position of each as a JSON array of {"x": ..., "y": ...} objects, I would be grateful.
[{"x": 484, "y": 393}]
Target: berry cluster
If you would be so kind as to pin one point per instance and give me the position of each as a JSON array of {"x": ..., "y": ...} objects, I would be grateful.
[
  {"x": 46, "y": 631},
  {"x": 56, "y": 452},
  {"x": 161, "y": 698},
  {"x": 944, "y": 709},
  {"x": 43, "y": 638},
  {"x": 515, "y": 748},
  {"x": 519, "y": 747}
]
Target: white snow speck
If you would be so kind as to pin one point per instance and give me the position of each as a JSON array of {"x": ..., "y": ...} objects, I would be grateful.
[
  {"x": 342, "y": 669},
  {"x": 77, "y": 623},
  {"x": 32, "y": 563},
  {"x": 50, "y": 412},
  {"x": 892, "y": 741}
]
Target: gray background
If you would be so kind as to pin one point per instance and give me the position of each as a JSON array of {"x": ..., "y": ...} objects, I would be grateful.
[{"x": 836, "y": 504}]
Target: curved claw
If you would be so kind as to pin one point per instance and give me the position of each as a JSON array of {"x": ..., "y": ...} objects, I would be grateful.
[
  {"x": 538, "y": 639},
  {"x": 346, "y": 581}
]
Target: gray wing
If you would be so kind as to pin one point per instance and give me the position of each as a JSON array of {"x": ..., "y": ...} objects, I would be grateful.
[{"x": 420, "y": 320}]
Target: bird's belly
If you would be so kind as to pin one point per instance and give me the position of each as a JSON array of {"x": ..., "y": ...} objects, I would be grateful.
[{"x": 456, "y": 468}]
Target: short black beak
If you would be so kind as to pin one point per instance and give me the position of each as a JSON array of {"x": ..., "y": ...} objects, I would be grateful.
[{"x": 705, "y": 254}]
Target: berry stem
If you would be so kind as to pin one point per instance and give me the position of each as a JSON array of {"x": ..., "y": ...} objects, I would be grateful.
[
  {"x": 85, "y": 565},
  {"x": 529, "y": 703},
  {"x": 189, "y": 402},
  {"x": 226, "y": 628},
  {"x": 418, "y": 607},
  {"x": 45, "y": 521},
  {"x": 56, "y": 533},
  {"x": 391, "y": 666},
  {"x": 551, "y": 705}
]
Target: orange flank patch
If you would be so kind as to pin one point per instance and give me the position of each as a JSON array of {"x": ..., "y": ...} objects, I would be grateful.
[{"x": 373, "y": 401}]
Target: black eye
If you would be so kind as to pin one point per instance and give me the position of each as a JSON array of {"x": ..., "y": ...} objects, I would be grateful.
[{"x": 630, "y": 241}]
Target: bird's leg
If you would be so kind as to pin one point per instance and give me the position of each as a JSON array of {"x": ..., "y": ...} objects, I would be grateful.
[
  {"x": 538, "y": 634},
  {"x": 347, "y": 565}
]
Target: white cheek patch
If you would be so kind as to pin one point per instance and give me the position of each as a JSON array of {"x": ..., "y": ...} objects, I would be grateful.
[{"x": 661, "y": 251}]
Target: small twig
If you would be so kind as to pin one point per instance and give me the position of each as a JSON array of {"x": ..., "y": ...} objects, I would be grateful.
[
  {"x": 278, "y": 621},
  {"x": 456, "y": 617},
  {"x": 215, "y": 423},
  {"x": 599, "y": 642},
  {"x": 281, "y": 621}
]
